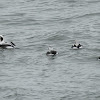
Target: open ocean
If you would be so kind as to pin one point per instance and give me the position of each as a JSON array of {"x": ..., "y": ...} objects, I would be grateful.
[{"x": 26, "y": 73}]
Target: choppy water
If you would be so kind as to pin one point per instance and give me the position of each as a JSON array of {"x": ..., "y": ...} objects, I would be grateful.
[{"x": 26, "y": 73}]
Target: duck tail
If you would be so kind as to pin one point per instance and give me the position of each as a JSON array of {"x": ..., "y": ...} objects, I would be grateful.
[{"x": 12, "y": 44}]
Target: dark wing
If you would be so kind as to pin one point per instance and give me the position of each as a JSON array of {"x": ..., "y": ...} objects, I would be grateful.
[
  {"x": 4, "y": 45},
  {"x": 53, "y": 52}
]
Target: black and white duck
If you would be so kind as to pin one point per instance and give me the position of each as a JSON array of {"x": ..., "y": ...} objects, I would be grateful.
[
  {"x": 4, "y": 44},
  {"x": 51, "y": 51},
  {"x": 76, "y": 46}
]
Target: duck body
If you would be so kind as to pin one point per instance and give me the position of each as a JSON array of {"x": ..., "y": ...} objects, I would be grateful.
[
  {"x": 51, "y": 51},
  {"x": 76, "y": 46},
  {"x": 4, "y": 44}
]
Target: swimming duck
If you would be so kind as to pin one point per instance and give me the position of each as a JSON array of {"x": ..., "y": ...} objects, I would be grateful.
[
  {"x": 4, "y": 44},
  {"x": 51, "y": 51},
  {"x": 76, "y": 46}
]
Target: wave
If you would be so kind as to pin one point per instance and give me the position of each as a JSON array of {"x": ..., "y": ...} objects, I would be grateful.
[{"x": 88, "y": 15}]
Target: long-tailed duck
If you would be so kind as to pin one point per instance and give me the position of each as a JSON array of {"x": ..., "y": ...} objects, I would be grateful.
[
  {"x": 51, "y": 51},
  {"x": 4, "y": 44},
  {"x": 76, "y": 46}
]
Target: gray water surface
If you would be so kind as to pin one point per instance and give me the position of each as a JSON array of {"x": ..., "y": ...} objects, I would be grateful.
[{"x": 26, "y": 73}]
